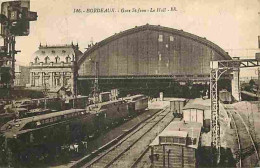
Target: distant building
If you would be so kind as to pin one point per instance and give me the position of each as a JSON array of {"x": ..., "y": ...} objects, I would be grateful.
[
  {"x": 22, "y": 75},
  {"x": 52, "y": 67}
]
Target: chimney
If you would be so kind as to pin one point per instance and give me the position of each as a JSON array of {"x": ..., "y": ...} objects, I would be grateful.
[{"x": 259, "y": 42}]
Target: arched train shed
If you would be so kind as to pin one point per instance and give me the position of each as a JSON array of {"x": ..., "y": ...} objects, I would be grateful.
[{"x": 148, "y": 59}]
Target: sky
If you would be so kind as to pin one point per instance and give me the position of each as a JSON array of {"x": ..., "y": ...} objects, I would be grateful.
[{"x": 234, "y": 25}]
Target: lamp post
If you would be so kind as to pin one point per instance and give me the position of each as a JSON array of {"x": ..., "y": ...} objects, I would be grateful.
[{"x": 95, "y": 88}]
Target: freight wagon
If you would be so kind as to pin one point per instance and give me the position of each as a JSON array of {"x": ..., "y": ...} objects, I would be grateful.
[
  {"x": 225, "y": 96},
  {"x": 114, "y": 111},
  {"x": 50, "y": 103},
  {"x": 136, "y": 103},
  {"x": 176, "y": 106},
  {"x": 176, "y": 146},
  {"x": 104, "y": 96},
  {"x": 197, "y": 113},
  {"x": 61, "y": 104},
  {"x": 33, "y": 138},
  {"x": 44, "y": 136},
  {"x": 79, "y": 102}
]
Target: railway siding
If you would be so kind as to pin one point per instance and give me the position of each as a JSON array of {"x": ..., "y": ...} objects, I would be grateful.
[
  {"x": 138, "y": 149},
  {"x": 110, "y": 157},
  {"x": 247, "y": 155}
]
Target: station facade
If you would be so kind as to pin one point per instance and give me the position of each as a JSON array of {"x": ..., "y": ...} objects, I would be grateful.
[{"x": 53, "y": 67}]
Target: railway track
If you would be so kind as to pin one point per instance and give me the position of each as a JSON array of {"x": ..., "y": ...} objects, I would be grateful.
[
  {"x": 129, "y": 150},
  {"x": 247, "y": 154},
  {"x": 143, "y": 159}
]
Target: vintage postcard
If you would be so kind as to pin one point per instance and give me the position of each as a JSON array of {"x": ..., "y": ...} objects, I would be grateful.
[{"x": 137, "y": 83}]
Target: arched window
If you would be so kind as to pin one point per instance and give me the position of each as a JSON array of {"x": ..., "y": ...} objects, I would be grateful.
[
  {"x": 68, "y": 59},
  {"x": 47, "y": 59},
  {"x": 57, "y": 59},
  {"x": 36, "y": 59}
]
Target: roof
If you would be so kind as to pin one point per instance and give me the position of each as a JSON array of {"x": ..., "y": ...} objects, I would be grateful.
[
  {"x": 181, "y": 129},
  {"x": 19, "y": 109},
  {"x": 172, "y": 133},
  {"x": 104, "y": 93},
  {"x": 78, "y": 97},
  {"x": 156, "y": 28},
  {"x": 196, "y": 106},
  {"x": 20, "y": 123},
  {"x": 177, "y": 99},
  {"x": 99, "y": 105},
  {"x": 61, "y": 51},
  {"x": 133, "y": 97}
]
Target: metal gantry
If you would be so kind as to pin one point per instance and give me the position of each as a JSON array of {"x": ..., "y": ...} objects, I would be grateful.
[
  {"x": 214, "y": 105},
  {"x": 217, "y": 69}
]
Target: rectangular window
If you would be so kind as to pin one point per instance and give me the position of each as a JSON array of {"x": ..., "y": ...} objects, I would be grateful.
[
  {"x": 169, "y": 139},
  {"x": 175, "y": 140},
  {"x": 171, "y": 38},
  {"x": 160, "y": 39},
  {"x": 162, "y": 139},
  {"x": 182, "y": 141}
]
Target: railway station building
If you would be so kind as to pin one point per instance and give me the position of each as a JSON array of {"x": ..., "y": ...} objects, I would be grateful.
[
  {"x": 151, "y": 59},
  {"x": 53, "y": 68}
]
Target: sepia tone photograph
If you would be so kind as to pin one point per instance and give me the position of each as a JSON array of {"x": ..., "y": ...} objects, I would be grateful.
[{"x": 129, "y": 84}]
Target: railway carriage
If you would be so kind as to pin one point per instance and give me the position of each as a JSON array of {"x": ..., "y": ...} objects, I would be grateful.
[
  {"x": 114, "y": 111},
  {"x": 136, "y": 103},
  {"x": 50, "y": 103},
  {"x": 176, "y": 146},
  {"x": 80, "y": 102},
  {"x": 45, "y": 134}
]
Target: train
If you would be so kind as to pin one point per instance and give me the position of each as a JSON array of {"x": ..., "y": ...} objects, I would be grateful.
[
  {"x": 136, "y": 103},
  {"x": 61, "y": 104},
  {"x": 176, "y": 106},
  {"x": 40, "y": 138},
  {"x": 33, "y": 107},
  {"x": 225, "y": 97},
  {"x": 110, "y": 113}
]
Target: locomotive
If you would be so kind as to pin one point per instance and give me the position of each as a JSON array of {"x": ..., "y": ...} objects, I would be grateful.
[{"x": 41, "y": 137}]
